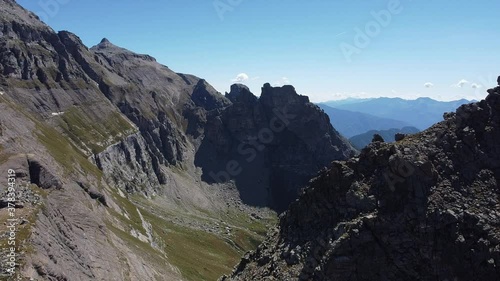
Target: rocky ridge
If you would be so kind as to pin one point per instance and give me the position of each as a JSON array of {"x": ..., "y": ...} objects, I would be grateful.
[
  {"x": 277, "y": 142},
  {"x": 424, "y": 208}
]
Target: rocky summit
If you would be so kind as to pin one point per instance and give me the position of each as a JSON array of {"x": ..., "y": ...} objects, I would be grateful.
[
  {"x": 127, "y": 170},
  {"x": 270, "y": 146},
  {"x": 424, "y": 208}
]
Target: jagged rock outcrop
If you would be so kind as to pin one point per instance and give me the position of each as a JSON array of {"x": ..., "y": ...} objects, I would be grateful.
[
  {"x": 270, "y": 146},
  {"x": 424, "y": 208}
]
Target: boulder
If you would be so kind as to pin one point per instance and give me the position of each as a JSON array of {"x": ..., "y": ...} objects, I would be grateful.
[
  {"x": 377, "y": 138},
  {"x": 399, "y": 136}
]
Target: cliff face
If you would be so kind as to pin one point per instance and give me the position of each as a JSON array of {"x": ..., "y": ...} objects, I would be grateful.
[
  {"x": 271, "y": 146},
  {"x": 115, "y": 152},
  {"x": 424, "y": 208}
]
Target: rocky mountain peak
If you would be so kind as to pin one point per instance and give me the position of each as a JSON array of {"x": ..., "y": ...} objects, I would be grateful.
[
  {"x": 122, "y": 54},
  {"x": 104, "y": 41},
  {"x": 281, "y": 96},
  {"x": 241, "y": 93},
  {"x": 281, "y": 128},
  {"x": 205, "y": 96}
]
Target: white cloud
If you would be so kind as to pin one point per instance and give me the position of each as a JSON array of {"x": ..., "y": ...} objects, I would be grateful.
[
  {"x": 242, "y": 77},
  {"x": 476, "y": 86},
  {"x": 461, "y": 83},
  {"x": 428, "y": 85}
]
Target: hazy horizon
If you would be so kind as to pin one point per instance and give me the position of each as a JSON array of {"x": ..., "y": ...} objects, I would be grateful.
[{"x": 328, "y": 51}]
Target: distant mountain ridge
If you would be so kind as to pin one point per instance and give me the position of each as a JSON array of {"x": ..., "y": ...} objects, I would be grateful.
[
  {"x": 351, "y": 123},
  {"x": 420, "y": 113},
  {"x": 335, "y": 103}
]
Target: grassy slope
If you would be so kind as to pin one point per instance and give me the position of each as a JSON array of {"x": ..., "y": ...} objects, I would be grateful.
[
  {"x": 198, "y": 255},
  {"x": 88, "y": 131}
]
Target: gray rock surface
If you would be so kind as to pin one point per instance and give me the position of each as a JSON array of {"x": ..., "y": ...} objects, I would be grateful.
[{"x": 129, "y": 166}]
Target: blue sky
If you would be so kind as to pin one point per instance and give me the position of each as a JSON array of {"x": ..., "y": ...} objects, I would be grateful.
[{"x": 327, "y": 49}]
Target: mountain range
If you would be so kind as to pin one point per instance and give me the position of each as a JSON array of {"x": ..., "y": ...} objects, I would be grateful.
[
  {"x": 420, "y": 113},
  {"x": 352, "y": 123}
]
